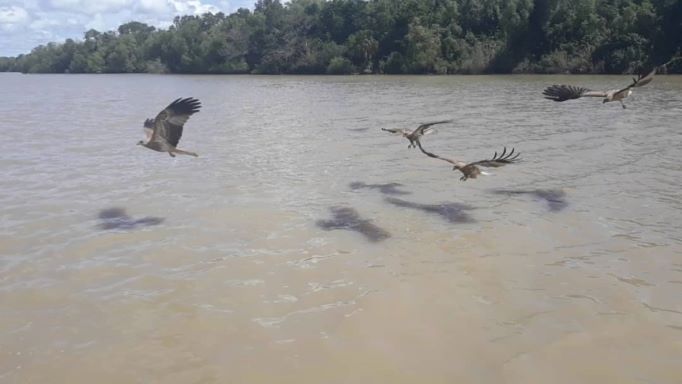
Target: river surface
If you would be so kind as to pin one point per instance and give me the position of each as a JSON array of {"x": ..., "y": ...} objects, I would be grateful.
[{"x": 305, "y": 245}]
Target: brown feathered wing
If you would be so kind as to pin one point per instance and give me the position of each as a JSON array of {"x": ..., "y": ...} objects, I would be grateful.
[{"x": 169, "y": 123}]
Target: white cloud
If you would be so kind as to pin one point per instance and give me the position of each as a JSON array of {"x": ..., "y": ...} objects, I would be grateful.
[
  {"x": 64, "y": 4},
  {"x": 45, "y": 22},
  {"x": 193, "y": 7},
  {"x": 91, "y": 6},
  {"x": 154, "y": 6},
  {"x": 58, "y": 23},
  {"x": 97, "y": 23},
  {"x": 12, "y": 16},
  {"x": 24, "y": 24},
  {"x": 29, "y": 5}
]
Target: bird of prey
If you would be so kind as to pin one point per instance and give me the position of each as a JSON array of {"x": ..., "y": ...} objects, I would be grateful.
[
  {"x": 164, "y": 131},
  {"x": 568, "y": 92},
  {"x": 472, "y": 170},
  {"x": 413, "y": 136}
]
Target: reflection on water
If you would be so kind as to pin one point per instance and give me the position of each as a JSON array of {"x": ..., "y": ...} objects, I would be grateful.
[
  {"x": 387, "y": 189},
  {"x": 554, "y": 198},
  {"x": 117, "y": 218},
  {"x": 451, "y": 212},
  {"x": 349, "y": 219}
]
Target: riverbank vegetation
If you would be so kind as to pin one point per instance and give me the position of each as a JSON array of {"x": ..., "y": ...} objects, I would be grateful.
[{"x": 383, "y": 36}]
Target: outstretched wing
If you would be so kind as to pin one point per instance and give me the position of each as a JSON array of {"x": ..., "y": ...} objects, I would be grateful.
[
  {"x": 396, "y": 131},
  {"x": 498, "y": 161},
  {"x": 425, "y": 129},
  {"x": 641, "y": 81},
  {"x": 672, "y": 60},
  {"x": 567, "y": 92},
  {"x": 451, "y": 161},
  {"x": 638, "y": 81},
  {"x": 168, "y": 123}
]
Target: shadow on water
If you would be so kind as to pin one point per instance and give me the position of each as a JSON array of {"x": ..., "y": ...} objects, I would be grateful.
[
  {"x": 348, "y": 218},
  {"x": 451, "y": 212},
  {"x": 117, "y": 218},
  {"x": 555, "y": 198},
  {"x": 358, "y": 129},
  {"x": 387, "y": 189}
]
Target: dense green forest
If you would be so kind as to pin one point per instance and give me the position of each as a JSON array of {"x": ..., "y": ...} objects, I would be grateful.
[{"x": 384, "y": 36}]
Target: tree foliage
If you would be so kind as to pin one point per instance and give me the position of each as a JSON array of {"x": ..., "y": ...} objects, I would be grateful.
[{"x": 383, "y": 36}]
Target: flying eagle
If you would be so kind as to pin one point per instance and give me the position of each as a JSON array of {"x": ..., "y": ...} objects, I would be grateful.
[
  {"x": 165, "y": 130},
  {"x": 568, "y": 92},
  {"x": 472, "y": 170},
  {"x": 413, "y": 136}
]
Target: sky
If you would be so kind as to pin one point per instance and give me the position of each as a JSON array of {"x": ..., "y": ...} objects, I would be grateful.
[{"x": 25, "y": 24}]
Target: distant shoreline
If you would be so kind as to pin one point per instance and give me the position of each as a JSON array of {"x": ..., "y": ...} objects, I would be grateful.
[{"x": 348, "y": 37}]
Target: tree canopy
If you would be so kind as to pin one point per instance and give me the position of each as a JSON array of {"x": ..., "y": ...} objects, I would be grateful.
[{"x": 383, "y": 36}]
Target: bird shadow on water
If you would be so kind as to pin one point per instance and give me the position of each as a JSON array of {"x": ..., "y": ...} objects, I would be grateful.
[
  {"x": 450, "y": 212},
  {"x": 386, "y": 189},
  {"x": 554, "y": 198},
  {"x": 117, "y": 218},
  {"x": 349, "y": 219}
]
